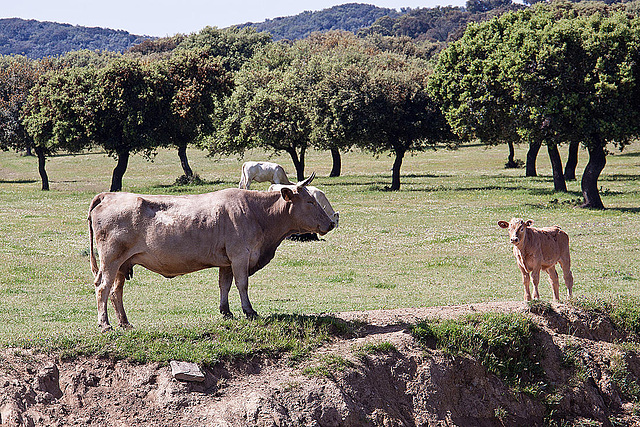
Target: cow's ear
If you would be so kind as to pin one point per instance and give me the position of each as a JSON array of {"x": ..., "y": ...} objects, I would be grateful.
[
  {"x": 528, "y": 222},
  {"x": 503, "y": 224},
  {"x": 287, "y": 194}
]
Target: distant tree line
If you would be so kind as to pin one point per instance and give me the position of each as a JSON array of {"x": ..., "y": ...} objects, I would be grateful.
[
  {"x": 347, "y": 17},
  {"x": 38, "y": 39},
  {"x": 544, "y": 75}
]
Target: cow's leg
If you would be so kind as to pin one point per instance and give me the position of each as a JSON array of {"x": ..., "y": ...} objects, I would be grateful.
[
  {"x": 568, "y": 276},
  {"x": 116, "y": 300},
  {"x": 525, "y": 283},
  {"x": 225, "y": 278},
  {"x": 555, "y": 284},
  {"x": 535, "y": 276},
  {"x": 241, "y": 276},
  {"x": 103, "y": 282}
]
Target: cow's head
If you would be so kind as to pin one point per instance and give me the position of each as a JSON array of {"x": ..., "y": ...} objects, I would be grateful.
[
  {"x": 517, "y": 228},
  {"x": 306, "y": 212}
]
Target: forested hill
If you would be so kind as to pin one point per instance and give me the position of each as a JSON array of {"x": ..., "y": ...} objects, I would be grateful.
[
  {"x": 350, "y": 17},
  {"x": 37, "y": 39}
]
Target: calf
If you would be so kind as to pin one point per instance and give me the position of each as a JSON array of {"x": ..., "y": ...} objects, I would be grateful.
[
  {"x": 538, "y": 249},
  {"x": 262, "y": 172}
]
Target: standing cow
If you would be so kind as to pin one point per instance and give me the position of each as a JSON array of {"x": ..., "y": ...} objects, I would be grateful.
[
  {"x": 234, "y": 229},
  {"x": 538, "y": 249},
  {"x": 262, "y": 172}
]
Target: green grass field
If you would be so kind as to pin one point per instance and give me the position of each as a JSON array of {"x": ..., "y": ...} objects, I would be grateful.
[{"x": 435, "y": 242}]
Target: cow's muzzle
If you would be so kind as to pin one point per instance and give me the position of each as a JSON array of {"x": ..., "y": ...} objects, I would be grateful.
[{"x": 322, "y": 232}]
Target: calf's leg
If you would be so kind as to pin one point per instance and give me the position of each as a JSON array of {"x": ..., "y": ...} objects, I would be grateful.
[
  {"x": 553, "y": 279},
  {"x": 535, "y": 276},
  {"x": 568, "y": 276},
  {"x": 225, "y": 278},
  {"x": 525, "y": 282}
]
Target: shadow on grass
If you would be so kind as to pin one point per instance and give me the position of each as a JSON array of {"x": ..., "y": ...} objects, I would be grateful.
[
  {"x": 624, "y": 210},
  {"x": 82, "y": 153},
  {"x": 426, "y": 175},
  {"x": 363, "y": 183},
  {"x": 335, "y": 326},
  {"x": 620, "y": 177},
  {"x": 628, "y": 154},
  {"x": 18, "y": 181},
  {"x": 183, "y": 183}
]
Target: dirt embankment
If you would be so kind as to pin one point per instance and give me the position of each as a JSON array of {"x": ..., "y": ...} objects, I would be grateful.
[{"x": 405, "y": 385}]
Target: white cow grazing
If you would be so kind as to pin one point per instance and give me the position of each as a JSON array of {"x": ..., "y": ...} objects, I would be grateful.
[
  {"x": 262, "y": 172},
  {"x": 317, "y": 194}
]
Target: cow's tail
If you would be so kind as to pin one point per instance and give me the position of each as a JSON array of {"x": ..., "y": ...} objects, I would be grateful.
[{"x": 92, "y": 256}]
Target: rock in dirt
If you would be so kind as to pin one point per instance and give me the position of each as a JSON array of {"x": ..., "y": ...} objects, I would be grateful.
[{"x": 186, "y": 371}]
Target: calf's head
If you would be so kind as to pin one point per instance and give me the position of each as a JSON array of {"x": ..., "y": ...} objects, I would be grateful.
[
  {"x": 306, "y": 212},
  {"x": 517, "y": 228}
]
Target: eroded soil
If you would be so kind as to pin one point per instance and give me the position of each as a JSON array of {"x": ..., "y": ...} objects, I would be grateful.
[{"x": 406, "y": 386}]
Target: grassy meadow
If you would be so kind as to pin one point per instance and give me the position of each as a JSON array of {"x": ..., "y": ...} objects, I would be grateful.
[{"x": 435, "y": 242}]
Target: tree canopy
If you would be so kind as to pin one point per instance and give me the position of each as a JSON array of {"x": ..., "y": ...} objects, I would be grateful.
[
  {"x": 347, "y": 17},
  {"x": 332, "y": 91},
  {"x": 551, "y": 74}
]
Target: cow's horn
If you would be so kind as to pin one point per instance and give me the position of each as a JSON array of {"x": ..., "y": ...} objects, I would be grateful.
[{"x": 307, "y": 181}]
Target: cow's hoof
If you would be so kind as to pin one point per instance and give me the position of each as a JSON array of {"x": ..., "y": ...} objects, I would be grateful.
[
  {"x": 126, "y": 326},
  {"x": 251, "y": 315},
  {"x": 106, "y": 329},
  {"x": 227, "y": 314}
]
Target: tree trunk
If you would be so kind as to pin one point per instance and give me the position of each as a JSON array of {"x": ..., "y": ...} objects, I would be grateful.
[
  {"x": 120, "y": 169},
  {"x": 395, "y": 175},
  {"x": 559, "y": 183},
  {"x": 532, "y": 155},
  {"x": 597, "y": 161},
  {"x": 572, "y": 162},
  {"x": 42, "y": 159},
  {"x": 298, "y": 162},
  {"x": 182, "y": 154},
  {"x": 337, "y": 162},
  {"x": 511, "y": 160}
]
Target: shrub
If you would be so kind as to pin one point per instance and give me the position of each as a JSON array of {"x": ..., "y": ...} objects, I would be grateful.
[{"x": 502, "y": 343}]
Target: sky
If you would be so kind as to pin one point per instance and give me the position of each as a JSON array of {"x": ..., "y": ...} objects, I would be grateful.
[{"x": 168, "y": 17}]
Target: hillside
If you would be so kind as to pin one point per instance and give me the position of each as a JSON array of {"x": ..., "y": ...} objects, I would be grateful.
[
  {"x": 37, "y": 39},
  {"x": 349, "y": 17},
  {"x": 438, "y": 24}
]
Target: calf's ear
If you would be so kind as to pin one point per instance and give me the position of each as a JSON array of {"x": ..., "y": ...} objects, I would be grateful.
[
  {"x": 528, "y": 222},
  {"x": 287, "y": 194},
  {"x": 503, "y": 224}
]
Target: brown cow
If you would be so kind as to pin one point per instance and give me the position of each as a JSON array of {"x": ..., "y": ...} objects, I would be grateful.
[
  {"x": 538, "y": 249},
  {"x": 234, "y": 229}
]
